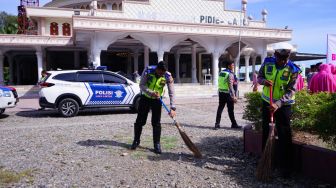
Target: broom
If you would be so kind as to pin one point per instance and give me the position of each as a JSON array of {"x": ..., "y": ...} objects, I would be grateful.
[
  {"x": 184, "y": 136},
  {"x": 264, "y": 168}
]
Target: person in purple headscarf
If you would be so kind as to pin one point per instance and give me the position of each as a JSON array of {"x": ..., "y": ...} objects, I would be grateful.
[
  {"x": 323, "y": 81},
  {"x": 300, "y": 82},
  {"x": 333, "y": 70}
]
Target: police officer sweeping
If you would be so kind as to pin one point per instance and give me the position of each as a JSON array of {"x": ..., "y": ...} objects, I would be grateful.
[
  {"x": 227, "y": 95},
  {"x": 281, "y": 74},
  {"x": 152, "y": 83}
]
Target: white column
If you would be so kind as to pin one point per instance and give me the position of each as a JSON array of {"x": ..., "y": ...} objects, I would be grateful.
[
  {"x": 96, "y": 58},
  {"x": 136, "y": 61},
  {"x": 177, "y": 67},
  {"x": 254, "y": 59},
  {"x": 39, "y": 64},
  {"x": 76, "y": 60},
  {"x": 237, "y": 62},
  {"x": 160, "y": 54},
  {"x": 1, "y": 69},
  {"x": 146, "y": 57},
  {"x": 247, "y": 62},
  {"x": 215, "y": 57},
  {"x": 193, "y": 64},
  {"x": 42, "y": 26}
]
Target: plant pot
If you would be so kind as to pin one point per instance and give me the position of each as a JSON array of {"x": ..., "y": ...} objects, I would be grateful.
[
  {"x": 319, "y": 163},
  {"x": 252, "y": 141}
]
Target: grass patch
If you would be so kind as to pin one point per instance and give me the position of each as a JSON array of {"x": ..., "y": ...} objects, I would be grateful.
[
  {"x": 138, "y": 154},
  {"x": 169, "y": 142},
  {"x": 9, "y": 177}
]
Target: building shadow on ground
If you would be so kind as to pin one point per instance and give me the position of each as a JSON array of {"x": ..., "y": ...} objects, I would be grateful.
[
  {"x": 95, "y": 143},
  {"x": 87, "y": 112},
  {"x": 210, "y": 127}
]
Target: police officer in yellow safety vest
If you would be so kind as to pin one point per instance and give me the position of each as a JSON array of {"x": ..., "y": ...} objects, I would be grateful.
[
  {"x": 152, "y": 83},
  {"x": 281, "y": 74},
  {"x": 226, "y": 95}
]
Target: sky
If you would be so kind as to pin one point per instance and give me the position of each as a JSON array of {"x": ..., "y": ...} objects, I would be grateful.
[{"x": 310, "y": 20}]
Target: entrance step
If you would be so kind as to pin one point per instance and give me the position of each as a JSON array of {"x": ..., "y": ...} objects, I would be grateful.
[
  {"x": 188, "y": 90},
  {"x": 27, "y": 91}
]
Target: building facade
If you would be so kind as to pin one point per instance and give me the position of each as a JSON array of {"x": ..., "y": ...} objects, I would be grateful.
[{"x": 193, "y": 36}]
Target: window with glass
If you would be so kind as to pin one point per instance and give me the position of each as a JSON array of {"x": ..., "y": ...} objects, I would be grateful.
[
  {"x": 66, "y": 77},
  {"x": 113, "y": 79},
  {"x": 90, "y": 77},
  {"x": 53, "y": 28}
]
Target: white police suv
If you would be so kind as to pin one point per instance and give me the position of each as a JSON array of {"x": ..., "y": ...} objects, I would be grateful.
[
  {"x": 8, "y": 98},
  {"x": 69, "y": 91}
]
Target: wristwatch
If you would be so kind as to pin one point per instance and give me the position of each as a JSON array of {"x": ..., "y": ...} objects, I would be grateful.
[{"x": 173, "y": 108}]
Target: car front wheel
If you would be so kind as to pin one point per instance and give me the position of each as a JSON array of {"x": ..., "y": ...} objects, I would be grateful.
[
  {"x": 2, "y": 110},
  {"x": 68, "y": 107}
]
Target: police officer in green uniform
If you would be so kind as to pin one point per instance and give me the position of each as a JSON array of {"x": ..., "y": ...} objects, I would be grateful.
[
  {"x": 152, "y": 83},
  {"x": 281, "y": 74},
  {"x": 226, "y": 95}
]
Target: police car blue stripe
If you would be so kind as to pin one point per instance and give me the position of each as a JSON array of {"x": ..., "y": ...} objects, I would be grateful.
[
  {"x": 132, "y": 94},
  {"x": 128, "y": 100},
  {"x": 88, "y": 94}
]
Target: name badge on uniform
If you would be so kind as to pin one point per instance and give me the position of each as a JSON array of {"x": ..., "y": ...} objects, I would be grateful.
[
  {"x": 162, "y": 83},
  {"x": 269, "y": 69},
  {"x": 285, "y": 76}
]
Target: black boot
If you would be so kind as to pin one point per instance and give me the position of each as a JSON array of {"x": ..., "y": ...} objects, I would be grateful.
[
  {"x": 156, "y": 139},
  {"x": 137, "y": 134},
  {"x": 157, "y": 148}
]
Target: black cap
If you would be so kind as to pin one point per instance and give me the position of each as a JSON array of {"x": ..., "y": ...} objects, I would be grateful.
[
  {"x": 162, "y": 65},
  {"x": 283, "y": 52},
  {"x": 227, "y": 63}
]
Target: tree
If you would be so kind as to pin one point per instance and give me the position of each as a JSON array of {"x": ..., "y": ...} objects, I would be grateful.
[{"x": 8, "y": 23}]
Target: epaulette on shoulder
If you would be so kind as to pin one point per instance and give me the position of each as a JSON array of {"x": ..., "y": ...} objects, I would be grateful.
[
  {"x": 271, "y": 60},
  {"x": 150, "y": 69}
]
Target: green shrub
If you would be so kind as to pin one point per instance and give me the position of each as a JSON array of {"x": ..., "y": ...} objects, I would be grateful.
[
  {"x": 252, "y": 110},
  {"x": 306, "y": 108},
  {"x": 314, "y": 113},
  {"x": 326, "y": 122}
]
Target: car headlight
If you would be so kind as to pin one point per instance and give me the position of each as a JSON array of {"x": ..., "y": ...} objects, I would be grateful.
[{"x": 4, "y": 93}]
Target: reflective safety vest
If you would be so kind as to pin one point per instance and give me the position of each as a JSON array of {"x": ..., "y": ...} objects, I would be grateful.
[
  {"x": 223, "y": 81},
  {"x": 155, "y": 84},
  {"x": 280, "y": 79}
]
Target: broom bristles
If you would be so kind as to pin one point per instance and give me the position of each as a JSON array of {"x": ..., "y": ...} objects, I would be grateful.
[
  {"x": 264, "y": 168},
  {"x": 188, "y": 142}
]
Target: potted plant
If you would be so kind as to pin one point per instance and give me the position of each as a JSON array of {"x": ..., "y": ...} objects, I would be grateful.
[{"x": 252, "y": 132}]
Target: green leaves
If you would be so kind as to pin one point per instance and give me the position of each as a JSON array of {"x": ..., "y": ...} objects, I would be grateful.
[
  {"x": 252, "y": 110},
  {"x": 315, "y": 113},
  {"x": 8, "y": 23}
]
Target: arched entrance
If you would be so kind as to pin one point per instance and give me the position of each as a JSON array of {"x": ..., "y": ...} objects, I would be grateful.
[
  {"x": 191, "y": 61},
  {"x": 126, "y": 56}
]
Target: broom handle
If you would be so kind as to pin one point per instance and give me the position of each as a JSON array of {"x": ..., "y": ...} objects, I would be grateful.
[
  {"x": 165, "y": 107},
  {"x": 271, "y": 113}
]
